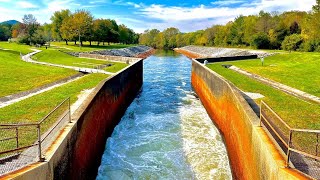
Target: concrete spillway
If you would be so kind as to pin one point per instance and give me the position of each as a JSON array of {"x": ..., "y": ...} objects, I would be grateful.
[{"x": 166, "y": 132}]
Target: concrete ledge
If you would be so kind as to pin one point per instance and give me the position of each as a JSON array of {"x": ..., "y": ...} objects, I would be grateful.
[
  {"x": 77, "y": 151},
  {"x": 252, "y": 153},
  {"x": 128, "y": 60}
]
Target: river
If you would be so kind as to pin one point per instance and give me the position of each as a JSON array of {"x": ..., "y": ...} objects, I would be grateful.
[{"x": 166, "y": 132}]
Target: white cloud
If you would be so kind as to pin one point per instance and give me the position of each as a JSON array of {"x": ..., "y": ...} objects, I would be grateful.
[
  {"x": 175, "y": 13},
  {"x": 227, "y": 2},
  {"x": 25, "y": 5}
]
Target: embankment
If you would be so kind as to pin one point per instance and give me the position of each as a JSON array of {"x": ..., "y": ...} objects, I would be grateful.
[
  {"x": 252, "y": 154},
  {"x": 76, "y": 153}
]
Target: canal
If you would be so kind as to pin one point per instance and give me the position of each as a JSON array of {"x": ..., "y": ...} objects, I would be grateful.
[{"x": 166, "y": 132}]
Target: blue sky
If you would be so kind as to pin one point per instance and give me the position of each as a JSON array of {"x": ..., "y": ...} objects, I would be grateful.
[{"x": 187, "y": 15}]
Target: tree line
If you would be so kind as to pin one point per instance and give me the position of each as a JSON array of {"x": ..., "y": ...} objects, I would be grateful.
[
  {"x": 66, "y": 26},
  {"x": 294, "y": 30}
]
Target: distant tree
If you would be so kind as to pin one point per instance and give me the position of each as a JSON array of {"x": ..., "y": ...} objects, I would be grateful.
[
  {"x": 124, "y": 34},
  {"x": 31, "y": 26},
  {"x": 261, "y": 41},
  {"x": 47, "y": 32},
  {"x": 169, "y": 35},
  {"x": 68, "y": 30},
  {"x": 57, "y": 20},
  {"x": 5, "y": 32},
  {"x": 82, "y": 22},
  {"x": 292, "y": 42},
  {"x": 316, "y": 7}
]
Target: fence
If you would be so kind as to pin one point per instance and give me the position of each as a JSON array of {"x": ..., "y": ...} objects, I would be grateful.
[
  {"x": 25, "y": 143},
  {"x": 301, "y": 146}
]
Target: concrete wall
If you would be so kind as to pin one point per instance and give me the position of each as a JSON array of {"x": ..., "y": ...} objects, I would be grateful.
[
  {"x": 77, "y": 152},
  {"x": 252, "y": 154},
  {"x": 128, "y": 60}
]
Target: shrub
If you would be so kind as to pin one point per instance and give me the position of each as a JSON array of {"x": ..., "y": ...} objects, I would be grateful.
[
  {"x": 292, "y": 42},
  {"x": 261, "y": 41}
]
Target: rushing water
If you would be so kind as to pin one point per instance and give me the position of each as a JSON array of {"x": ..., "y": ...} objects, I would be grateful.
[{"x": 166, "y": 132}]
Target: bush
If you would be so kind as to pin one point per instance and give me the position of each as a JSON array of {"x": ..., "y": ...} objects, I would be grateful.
[
  {"x": 292, "y": 42},
  {"x": 310, "y": 46},
  {"x": 261, "y": 41}
]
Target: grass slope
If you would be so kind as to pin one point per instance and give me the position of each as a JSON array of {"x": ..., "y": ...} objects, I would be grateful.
[
  {"x": 17, "y": 75},
  {"x": 24, "y": 49},
  {"x": 86, "y": 46},
  {"x": 297, "y": 69},
  {"x": 296, "y": 112}
]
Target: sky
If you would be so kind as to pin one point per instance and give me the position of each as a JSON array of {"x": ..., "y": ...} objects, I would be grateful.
[{"x": 187, "y": 15}]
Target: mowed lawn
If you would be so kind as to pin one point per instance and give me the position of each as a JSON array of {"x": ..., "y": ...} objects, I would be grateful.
[
  {"x": 54, "y": 56},
  {"x": 17, "y": 76},
  {"x": 24, "y": 49},
  {"x": 86, "y": 46},
  {"x": 300, "y": 70},
  {"x": 296, "y": 112},
  {"x": 35, "y": 108}
]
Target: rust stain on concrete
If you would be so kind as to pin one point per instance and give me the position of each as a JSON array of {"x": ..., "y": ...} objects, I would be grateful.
[{"x": 20, "y": 171}]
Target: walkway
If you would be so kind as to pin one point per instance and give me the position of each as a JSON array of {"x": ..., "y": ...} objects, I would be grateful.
[
  {"x": 27, "y": 58},
  {"x": 287, "y": 89}
]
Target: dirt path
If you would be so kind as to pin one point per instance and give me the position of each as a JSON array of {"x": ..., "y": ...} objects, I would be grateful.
[{"x": 287, "y": 89}]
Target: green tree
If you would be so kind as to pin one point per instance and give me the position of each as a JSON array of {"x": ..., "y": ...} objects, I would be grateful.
[
  {"x": 57, "y": 20},
  {"x": 292, "y": 42},
  {"x": 31, "y": 26},
  {"x": 261, "y": 41}
]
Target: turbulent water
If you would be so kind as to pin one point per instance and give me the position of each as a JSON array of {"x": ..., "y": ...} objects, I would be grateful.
[{"x": 166, "y": 132}]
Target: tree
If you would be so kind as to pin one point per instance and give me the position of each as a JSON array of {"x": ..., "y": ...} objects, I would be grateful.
[
  {"x": 68, "y": 30},
  {"x": 316, "y": 8},
  {"x": 5, "y": 32},
  {"x": 57, "y": 20},
  {"x": 124, "y": 34},
  {"x": 82, "y": 22},
  {"x": 31, "y": 26},
  {"x": 261, "y": 41},
  {"x": 292, "y": 42}
]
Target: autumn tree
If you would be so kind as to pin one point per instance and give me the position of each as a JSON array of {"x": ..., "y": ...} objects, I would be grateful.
[{"x": 57, "y": 20}]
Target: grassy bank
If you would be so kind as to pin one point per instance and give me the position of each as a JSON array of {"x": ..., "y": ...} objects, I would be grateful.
[
  {"x": 86, "y": 46},
  {"x": 35, "y": 108},
  {"x": 17, "y": 76},
  {"x": 297, "y": 69},
  {"x": 24, "y": 49},
  {"x": 296, "y": 112}
]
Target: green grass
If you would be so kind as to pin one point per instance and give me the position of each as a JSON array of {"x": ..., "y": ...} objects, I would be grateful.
[
  {"x": 57, "y": 57},
  {"x": 35, "y": 108},
  {"x": 297, "y": 69},
  {"x": 17, "y": 76},
  {"x": 86, "y": 47},
  {"x": 296, "y": 112},
  {"x": 24, "y": 49}
]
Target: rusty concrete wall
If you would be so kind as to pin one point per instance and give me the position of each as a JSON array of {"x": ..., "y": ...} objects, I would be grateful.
[
  {"x": 252, "y": 153},
  {"x": 77, "y": 152}
]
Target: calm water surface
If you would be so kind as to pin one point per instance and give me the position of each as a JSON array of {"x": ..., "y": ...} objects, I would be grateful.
[{"x": 166, "y": 132}]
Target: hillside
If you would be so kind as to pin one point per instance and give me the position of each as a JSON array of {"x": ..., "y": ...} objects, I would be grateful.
[{"x": 11, "y": 22}]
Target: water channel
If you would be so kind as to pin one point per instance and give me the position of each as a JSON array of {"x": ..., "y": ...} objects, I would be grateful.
[{"x": 166, "y": 132}]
